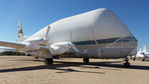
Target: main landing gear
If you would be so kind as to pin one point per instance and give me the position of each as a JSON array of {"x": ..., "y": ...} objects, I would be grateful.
[
  {"x": 48, "y": 61},
  {"x": 85, "y": 60},
  {"x": 126, "y": 64}
]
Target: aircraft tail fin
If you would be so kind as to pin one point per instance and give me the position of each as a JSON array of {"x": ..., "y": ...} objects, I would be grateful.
[
  {"x": 144, "y": 49},
  {"x": 20, "y": 33}
]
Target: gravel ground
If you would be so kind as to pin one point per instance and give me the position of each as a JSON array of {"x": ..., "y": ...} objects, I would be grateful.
[{"x": 26, "y": 70}]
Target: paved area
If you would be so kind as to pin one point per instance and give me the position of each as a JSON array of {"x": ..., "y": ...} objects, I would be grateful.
[{"x": 26, "y": 70}]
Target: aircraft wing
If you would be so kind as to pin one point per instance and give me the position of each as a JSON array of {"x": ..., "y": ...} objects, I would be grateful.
[
  {"x": 12, "y": 45},
  {"x": 54, "y": 49}
]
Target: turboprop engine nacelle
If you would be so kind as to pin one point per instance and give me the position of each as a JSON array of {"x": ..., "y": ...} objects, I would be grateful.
[
  {"x": 31, "y": 46},
  {"x": 61, "y": 47},
  {"x": 35, "y": 43},
  {"x": 39, "y": 40}
]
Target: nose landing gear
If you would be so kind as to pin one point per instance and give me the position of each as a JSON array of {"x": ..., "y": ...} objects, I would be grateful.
[
  {"x": 48, "y": 61},
  {"x": 126, "y": 64},
  {"x": 85, "y": 60}
]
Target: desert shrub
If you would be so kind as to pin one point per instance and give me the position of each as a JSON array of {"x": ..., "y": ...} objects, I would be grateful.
[{"x": 12, "y": 53}]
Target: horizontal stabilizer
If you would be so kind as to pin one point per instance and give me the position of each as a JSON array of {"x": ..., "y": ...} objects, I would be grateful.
[{"x": 12, "y": 45}]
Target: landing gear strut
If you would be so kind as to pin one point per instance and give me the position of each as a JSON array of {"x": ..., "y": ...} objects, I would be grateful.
[
  {"x": 85, "y": 60},
  {"x": 126, "y": 64},
  {"x": 48, "y": 61}
]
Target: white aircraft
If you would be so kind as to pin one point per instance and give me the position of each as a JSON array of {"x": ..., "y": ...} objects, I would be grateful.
[
  {"x": 142, "y": 54},
  {"x": 94, "y": 34},
  {"x": 145, "y": 50}
]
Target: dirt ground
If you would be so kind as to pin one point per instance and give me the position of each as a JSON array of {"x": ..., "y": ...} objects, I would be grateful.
[{"x": 26, "y": 70}]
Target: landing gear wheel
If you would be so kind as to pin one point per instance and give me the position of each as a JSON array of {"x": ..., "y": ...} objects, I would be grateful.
[
  {"x": 126, "y": 64},
  {"x": 134, "y": 59},
  {"x": 143, "y": 59},
  {"x": 48, "y": 61},
  {"x": 36, "y": 57},
  {"x": 85, "y": 60}
]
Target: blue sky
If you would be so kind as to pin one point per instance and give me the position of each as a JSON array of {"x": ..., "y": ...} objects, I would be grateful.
[{"x": 36, "y": 14}]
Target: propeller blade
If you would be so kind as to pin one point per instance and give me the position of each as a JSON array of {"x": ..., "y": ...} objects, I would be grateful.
[{"x": 73, "y": 46}]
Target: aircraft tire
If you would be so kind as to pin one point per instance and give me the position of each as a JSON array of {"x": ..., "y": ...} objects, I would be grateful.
[
  {"x": 85, "y": 60},
  {"x": 36, "y": 57},
  {"x": 127, "y": 65},
  {"x": 48, "y": 61},
  {"x": 143, "y": 59},
  {"x": 134, "y": 59}
]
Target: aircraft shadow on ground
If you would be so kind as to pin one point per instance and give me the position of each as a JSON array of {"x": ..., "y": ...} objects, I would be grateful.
[
  {"x": 110, "y": 64},
  {"x": 61, "y": 64},
  {"x": 51, "y": 67}
]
